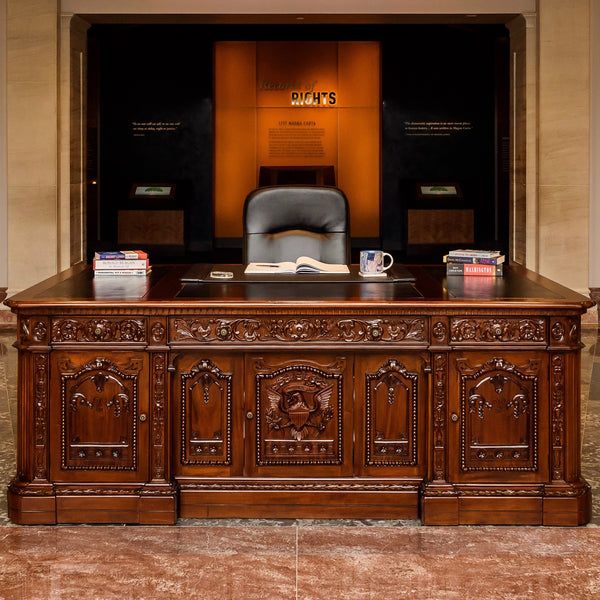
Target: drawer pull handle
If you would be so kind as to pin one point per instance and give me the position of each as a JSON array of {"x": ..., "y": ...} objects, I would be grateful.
[
  {"x": 249, "y": 415},
  {"x": 143, "y": 417},
  {"x": 454, "y": 417}
]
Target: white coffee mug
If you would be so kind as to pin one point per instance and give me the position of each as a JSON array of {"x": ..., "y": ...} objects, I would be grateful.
[{"x": 372, "y": 262}]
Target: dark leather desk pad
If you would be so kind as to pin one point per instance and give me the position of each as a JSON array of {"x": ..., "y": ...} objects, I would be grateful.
[
  {"x": 201, "y": 274},
  {"x": 263, "y": 287}
]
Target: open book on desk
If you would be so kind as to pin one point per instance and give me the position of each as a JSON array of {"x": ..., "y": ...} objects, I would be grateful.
[{"x": 303, "y": 264}]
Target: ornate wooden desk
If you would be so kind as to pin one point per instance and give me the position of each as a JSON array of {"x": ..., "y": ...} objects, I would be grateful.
[{"x": 453, "y": 400}]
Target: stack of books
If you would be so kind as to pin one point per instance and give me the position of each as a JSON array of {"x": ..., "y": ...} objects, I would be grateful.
[
  {"x": 121, "y": 263},
  {"x": 474, "y": 262}
]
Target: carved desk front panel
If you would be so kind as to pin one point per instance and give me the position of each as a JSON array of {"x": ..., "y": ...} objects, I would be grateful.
[{"x": 441, "y": 407}]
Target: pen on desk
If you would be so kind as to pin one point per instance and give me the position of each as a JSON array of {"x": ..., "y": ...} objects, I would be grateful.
[{"x": 267, "y": 266}]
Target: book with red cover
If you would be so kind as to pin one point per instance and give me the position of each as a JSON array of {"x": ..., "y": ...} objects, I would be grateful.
[{"x": 473, "y": 269}]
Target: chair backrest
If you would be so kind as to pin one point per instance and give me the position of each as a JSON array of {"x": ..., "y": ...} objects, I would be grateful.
[{"x": 284, "y": 222}]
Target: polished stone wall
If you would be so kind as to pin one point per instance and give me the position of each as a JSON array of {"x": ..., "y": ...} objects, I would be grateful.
[
  {"x": 563, "y": 138},
  {"x": 32, "y": 140}
]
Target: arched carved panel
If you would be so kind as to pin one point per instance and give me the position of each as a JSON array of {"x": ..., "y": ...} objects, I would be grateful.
[
  {"x": 299, "y": 415},
  {"x": 391, "y": 416},
  {"x": 499, "y": 415},
  {"x": 206, "y": 409},
  {"x": 99, "y": 414}
]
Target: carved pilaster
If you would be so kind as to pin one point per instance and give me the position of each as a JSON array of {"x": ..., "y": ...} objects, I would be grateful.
[
  {"x": 158, "y": 408},
  {"x": 557, "y": 385},
  {"x": 40, "y": 416},
  {"x": 440, "y": 385}
]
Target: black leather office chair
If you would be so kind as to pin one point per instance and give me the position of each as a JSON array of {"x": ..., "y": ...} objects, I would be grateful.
[{"x": 284, "y": 222}]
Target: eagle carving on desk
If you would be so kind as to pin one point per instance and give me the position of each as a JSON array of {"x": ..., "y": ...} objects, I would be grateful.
[{"x": 300, "y": 410}]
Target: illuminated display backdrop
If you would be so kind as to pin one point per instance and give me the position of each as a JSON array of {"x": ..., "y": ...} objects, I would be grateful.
[{"x": 297, "y": 104}]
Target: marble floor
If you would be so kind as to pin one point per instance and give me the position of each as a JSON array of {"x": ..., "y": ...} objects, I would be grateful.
[{"x": 302, "y": 559}]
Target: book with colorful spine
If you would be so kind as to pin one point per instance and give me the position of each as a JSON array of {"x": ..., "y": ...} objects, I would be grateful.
[
  {"x": 475, "y": 260},
  {"x": 467, "y": 269},
  {"x": 121, "y": 263}
]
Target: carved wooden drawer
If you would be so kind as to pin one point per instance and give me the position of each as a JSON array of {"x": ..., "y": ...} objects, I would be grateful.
[
  {"x": 498, "y": 330},
  {"x": 291, "y": 329},
  {"x": 114, "y": 330}
]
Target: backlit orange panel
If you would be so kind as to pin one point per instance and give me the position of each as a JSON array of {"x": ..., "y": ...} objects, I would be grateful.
[
  {"x": 294, "y": 104},
  {"x": 286, "y": 67},
  {"x": 358, "y": 167},
  {"x": 359, "y": 74},
  {"x": 235, "y": 133}
]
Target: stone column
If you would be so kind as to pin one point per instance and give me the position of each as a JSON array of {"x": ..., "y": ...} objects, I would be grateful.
[
  {"x": 563, "y": 138},
  {"x": 32, "y": 107},
  {"x": 72, "y": 139},
  {"x": 523, "y": 236}
]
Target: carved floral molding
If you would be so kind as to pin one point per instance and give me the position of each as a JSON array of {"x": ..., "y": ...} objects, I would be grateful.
[
  {"x": 98, "y": 330},
  {"x": 498, "y": 330},
  {"x": 299, "y": 330}
]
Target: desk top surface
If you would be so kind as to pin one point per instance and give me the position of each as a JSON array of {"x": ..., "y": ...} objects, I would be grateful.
[{"x": 164, "y": 287}]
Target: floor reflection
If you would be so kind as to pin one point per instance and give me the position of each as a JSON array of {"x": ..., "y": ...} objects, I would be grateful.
[{"x": 301, "y": 558}]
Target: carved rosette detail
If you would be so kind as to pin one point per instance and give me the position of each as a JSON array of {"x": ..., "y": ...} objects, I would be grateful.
[
  {"x": 40, "y": 330},
  {"x": 98, "y": 330},
  {"x": 36, "y": 331},
  {"x": 565, "y": 331},
  {"x": 557, "y": 331},
  {"x": 300, "y": 330},
  {"x": 213, "y": 449},
  {"x": 557, "y": 383},
  {"x": 439, "y": 331},
  {"x": 497, "y": 330},
  {"x": 157, "y": 332},
  {"x": 490, "y": 392},
  {"x": 381, "y": 452},
  {"x": 299, "y": 404},
  {"x": 40, "y": 467},
  {"x": 159, "y": 360},
  {"x": 440, "y": 383}
]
